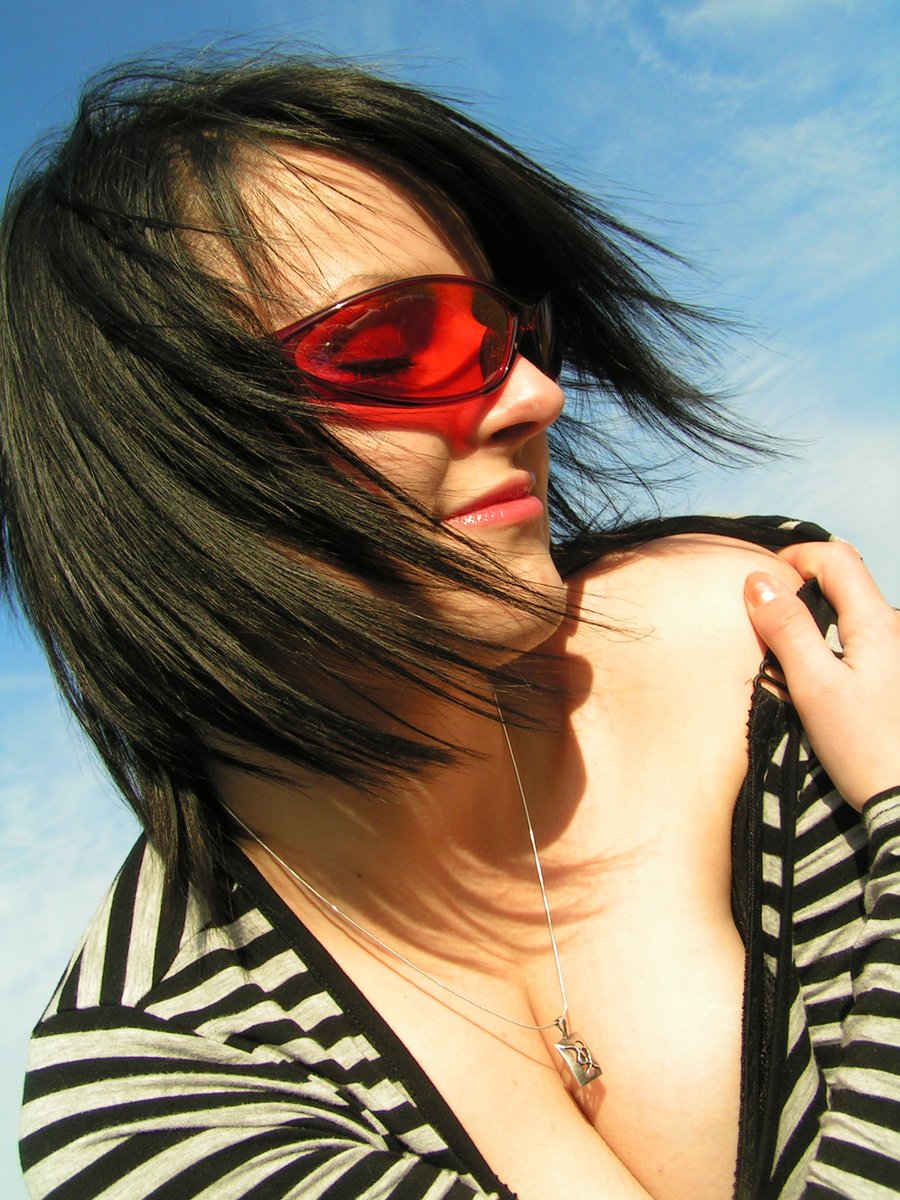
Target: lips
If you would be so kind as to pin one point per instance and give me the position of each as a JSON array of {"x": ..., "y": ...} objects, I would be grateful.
[{"x": 512, "y": 500}]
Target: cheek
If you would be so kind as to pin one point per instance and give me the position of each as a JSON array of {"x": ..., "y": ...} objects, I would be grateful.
[
  {"x": 455, "y": 424},
  {"x": 413, "y": 459}
]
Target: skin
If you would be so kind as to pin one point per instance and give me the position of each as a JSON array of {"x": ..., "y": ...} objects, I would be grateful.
[
  {"x": 630, "y": 789},
  {"x": 340, "y": 229},
  {"x": 842, "y": 702}
]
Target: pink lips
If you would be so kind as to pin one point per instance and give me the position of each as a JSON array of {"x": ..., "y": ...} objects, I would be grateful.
[{"x": 506, "y": 505}]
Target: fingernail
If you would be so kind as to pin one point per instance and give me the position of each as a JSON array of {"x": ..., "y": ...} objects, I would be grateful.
[{"x": 760, "y": 589}]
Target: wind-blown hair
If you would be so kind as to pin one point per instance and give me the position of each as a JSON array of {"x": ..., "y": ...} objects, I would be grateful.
[{"x": 179, "y": 525}]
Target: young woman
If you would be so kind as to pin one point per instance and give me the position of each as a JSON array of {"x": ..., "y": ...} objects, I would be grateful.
[{"x": 443, "y": 891}]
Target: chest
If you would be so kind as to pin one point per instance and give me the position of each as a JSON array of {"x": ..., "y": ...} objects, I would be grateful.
[
  {"x": 653, "y": 970},
  {"x": 636, "y": 850},
  {"x": 657, "y": 996}
]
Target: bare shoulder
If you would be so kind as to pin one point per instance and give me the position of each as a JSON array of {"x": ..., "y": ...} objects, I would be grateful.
[
  {"x": 677, "y": 601},
  {"x": 712, "y": 558}
]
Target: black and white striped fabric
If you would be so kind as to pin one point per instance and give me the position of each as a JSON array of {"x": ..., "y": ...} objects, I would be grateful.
[
  {"x": 183, "y": 1058},
  {"x": 820, "y": 1111}
]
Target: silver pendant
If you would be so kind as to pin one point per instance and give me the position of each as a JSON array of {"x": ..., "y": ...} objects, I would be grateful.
[{"x": 577, "y": 1057}]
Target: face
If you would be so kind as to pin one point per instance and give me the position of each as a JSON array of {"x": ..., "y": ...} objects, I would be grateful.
[{"x": 478, "y": 466}]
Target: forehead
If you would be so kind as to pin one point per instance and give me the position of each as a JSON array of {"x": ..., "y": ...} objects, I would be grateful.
[{"x": 333, "y": 226}]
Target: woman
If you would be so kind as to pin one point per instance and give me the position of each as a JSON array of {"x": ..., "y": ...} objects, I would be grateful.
[{"x": 439, "y": 808}]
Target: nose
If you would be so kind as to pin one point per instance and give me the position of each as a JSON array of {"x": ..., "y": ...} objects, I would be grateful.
[{"x": 525, "y": 404}]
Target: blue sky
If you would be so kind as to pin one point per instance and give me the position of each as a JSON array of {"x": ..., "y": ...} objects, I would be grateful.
[{"x": 761, "y": 138}]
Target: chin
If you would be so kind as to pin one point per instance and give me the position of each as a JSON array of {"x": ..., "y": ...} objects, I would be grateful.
[{"x": 512, "y": 630}]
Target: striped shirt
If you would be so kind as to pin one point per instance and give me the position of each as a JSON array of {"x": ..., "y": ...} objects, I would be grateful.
[{"x": 183, "y": 1057}]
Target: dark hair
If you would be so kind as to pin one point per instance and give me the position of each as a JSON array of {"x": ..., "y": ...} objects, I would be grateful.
[{"x": 182, "y": 549}]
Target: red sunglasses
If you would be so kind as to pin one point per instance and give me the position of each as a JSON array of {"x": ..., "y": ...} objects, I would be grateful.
[{"x": 433, "y": 339}]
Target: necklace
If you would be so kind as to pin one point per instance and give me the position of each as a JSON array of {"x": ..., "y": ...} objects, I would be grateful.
[{"x": 571, "y": 1048}]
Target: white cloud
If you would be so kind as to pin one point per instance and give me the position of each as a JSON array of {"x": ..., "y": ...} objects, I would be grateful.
[
  {"x": 718, "y": 15},
  {"x": 844, "y": 471},
  {"x": 819, "y": 204}
]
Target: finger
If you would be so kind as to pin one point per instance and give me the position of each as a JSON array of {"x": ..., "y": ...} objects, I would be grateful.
[
  {"x": 787, "y": 627},
  {"x": 841, "y": 574}
]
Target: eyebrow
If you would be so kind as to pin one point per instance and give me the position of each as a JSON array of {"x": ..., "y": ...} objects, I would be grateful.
[
  {"x": 330, "y": 297},
  {"x": 364, "y": 282}
]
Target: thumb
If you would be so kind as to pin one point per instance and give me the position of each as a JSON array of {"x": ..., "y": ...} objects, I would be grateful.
[{"x": 787, "y": 627}]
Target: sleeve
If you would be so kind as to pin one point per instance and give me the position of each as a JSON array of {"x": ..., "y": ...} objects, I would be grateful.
[
  {"x": 858, "y": 1153},
  {"x": 120, "y": 1104}
]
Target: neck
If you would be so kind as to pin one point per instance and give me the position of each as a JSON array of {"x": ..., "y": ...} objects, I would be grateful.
[{"x": 438, "y": 862}]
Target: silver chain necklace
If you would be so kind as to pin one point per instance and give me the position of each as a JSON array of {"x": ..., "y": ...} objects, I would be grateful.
[{"x": 571, "y": 1048}]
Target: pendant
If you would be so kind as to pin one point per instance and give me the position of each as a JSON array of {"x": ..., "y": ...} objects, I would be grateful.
[{"x": 577, "y": 1057}]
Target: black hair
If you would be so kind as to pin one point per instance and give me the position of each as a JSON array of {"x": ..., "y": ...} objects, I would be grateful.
[{"x": 182, "y": 548}]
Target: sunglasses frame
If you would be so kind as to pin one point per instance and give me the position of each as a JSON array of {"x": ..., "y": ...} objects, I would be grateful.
[{"x": 524, "y": 321}]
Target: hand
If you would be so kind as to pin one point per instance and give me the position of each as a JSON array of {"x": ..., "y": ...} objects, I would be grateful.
[{"x": 850, "y": 707}]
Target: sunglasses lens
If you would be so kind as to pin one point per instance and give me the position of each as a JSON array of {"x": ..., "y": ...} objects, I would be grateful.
[{"x": 416, "y": 342}]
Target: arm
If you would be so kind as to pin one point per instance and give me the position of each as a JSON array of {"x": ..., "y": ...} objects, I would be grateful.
[
  {"x": 121, "y": 1103},
  {"x": 849, "y": 707},
  {"x": 180, "y": 1058}
]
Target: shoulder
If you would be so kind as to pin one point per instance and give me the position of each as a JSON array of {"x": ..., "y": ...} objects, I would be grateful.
[
  {"x": 134, "y": 936},
  {"x": 653, "y": 573},
  {"x": 178, "y": 1038},
  {"x": 675, "y": 605},
  {"x": 683, "y": 575}
]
